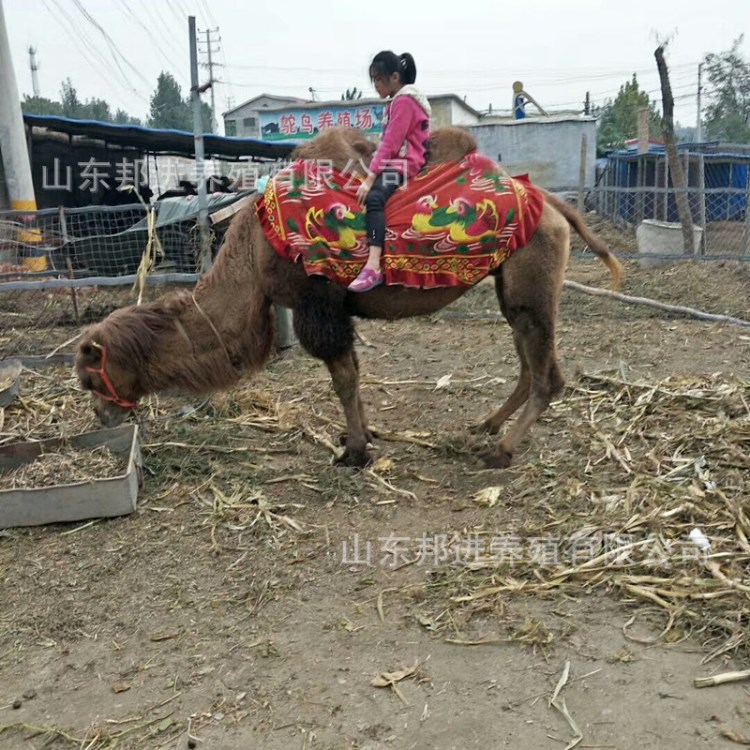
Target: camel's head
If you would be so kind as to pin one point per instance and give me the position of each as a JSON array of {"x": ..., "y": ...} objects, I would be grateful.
[{"x": 111, "y": 379}]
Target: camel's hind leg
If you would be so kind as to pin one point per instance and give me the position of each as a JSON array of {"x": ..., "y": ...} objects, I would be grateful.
[
  {"x": 529, "y": 289},
  {"x": 517, "y": 399}
]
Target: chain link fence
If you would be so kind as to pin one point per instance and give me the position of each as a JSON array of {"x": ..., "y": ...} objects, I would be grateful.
[
  {"x": 60, "y": 269},
  {"x": 635, "y": 193},
  {"x": 63, "y": 268}
]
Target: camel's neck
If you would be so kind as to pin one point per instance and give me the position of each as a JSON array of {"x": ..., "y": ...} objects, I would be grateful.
[{"x": 206, "y": 340}]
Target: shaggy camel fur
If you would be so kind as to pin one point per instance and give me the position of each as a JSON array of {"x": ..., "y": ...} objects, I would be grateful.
[{"x": 208, "y": 339}]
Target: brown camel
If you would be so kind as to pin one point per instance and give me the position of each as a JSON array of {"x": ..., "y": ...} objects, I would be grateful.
[{"x": 207, "y": 339}]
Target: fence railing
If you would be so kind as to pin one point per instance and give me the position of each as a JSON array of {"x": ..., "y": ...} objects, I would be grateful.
[
  {"x": 60, "y": 269},
  {"x": 721, "y": 218}
]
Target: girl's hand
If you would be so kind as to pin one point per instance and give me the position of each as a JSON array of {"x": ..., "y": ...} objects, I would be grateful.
[{"x": 364, "y": 189}]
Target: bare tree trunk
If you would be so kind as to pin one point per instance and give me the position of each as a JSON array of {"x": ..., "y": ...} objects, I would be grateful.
[{"x": 679, "y": 180}]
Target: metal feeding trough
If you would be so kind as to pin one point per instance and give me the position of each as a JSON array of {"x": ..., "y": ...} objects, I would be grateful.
[
  {"x": 10, "y": 380},
  {"x": 99, "y": 497}
]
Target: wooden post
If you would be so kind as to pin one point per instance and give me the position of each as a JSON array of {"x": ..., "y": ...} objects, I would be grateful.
[
  {"x": 729, "y": 192},
  {"x": 702, "y": 201},
  {"x": 746, "y": 228},
  {"x": 642, "y": 130},
  {"x": 69, "y": 264},
  {"x": 665, "y": 205},
  {"x": 678, "y": 174},
  {"x": 582, "y": 173}
]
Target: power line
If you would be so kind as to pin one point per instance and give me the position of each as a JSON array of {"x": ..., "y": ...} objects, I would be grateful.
[
  {"x": 168, "y": 30},
  {"x": 77, "y": 35},
  {"x": 209, "y": 15},
  {"x": 157, "y": 43},
  {"x": 114, "y": 49}
]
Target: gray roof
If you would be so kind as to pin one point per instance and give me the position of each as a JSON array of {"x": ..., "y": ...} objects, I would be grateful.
[{"x": 283, "y": 100}]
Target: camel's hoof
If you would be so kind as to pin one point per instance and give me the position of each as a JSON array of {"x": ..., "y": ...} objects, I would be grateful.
[
  {"x": 369, "y": 437},
  {"x": 499, "y": 459},
  {"x": 354, "y": 459},
  {"x": 485, "y": 427}
]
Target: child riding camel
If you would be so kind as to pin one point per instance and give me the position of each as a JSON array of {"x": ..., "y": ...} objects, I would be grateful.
[{"x": 401, "y": 155}]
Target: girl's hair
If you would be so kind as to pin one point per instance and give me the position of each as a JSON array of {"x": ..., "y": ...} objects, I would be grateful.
[{"x": 387, "y": 63}]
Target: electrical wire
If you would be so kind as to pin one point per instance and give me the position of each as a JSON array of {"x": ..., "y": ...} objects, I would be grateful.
[
  {"x": 114, "y": 49},
  {"x": 77, "y": 35},
  {"x": 175, "y": 68}
]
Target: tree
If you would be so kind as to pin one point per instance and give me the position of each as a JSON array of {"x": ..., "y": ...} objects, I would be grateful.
[
  {"x": 728, "y": 91},
  {"x": 168, "y": 108},
  {"x": 40, "y": 105},
  {"x": 206, "y": 117},
  {"x": 123, "y": 118},
  {"x": 350, "y": 96},
  {"x": 619, "y": 117},
  {"x": 96, "y": 109},
  {"x": 71, "y": 104}
]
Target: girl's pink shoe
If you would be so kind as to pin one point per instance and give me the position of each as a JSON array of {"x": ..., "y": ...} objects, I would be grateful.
[{"x": 367, "y": 279}]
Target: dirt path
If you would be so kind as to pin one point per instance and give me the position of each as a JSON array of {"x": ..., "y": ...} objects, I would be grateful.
[{"x": 224, "y": 608}]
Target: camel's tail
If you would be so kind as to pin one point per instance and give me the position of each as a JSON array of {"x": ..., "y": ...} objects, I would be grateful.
[{"x": 592, "y": 240}]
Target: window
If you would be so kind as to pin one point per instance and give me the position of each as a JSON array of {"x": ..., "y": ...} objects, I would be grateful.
[
  {"x": 249, "y": 122},
  {"x": 230, "y": 127}
]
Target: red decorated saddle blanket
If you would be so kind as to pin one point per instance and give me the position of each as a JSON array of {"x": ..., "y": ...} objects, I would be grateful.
[{"x": 449, "y": 226}]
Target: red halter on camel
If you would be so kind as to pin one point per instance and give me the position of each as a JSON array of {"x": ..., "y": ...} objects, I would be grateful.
[{"x": 113, "y": 397}]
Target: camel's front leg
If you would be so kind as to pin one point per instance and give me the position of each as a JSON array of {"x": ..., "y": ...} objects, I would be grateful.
[{"x": 345, "y": 376}]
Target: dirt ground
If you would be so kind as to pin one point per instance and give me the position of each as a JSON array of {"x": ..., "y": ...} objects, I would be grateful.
[{"x": 234, "y": 608}]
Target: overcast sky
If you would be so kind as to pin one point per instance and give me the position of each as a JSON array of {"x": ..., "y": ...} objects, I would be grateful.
[{"x": 475, "y": 48}]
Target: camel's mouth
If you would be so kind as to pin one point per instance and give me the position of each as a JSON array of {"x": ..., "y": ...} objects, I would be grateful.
[{"x": 109, "y": 414}]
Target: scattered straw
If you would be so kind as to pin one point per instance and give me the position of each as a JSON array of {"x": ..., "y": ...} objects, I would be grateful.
[{"x": 642, "y": 466}]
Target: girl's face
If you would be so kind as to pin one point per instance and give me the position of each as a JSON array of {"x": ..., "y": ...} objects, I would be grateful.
[{"x": 387, "y": 85}]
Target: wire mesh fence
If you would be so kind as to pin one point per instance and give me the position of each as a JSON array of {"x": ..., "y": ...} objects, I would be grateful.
[
  {"x": 60, "y": 269},
  {"x": 636, "y": 192}
]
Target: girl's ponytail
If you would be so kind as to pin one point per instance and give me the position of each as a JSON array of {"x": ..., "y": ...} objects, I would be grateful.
[{"x": 407, "y": 67}]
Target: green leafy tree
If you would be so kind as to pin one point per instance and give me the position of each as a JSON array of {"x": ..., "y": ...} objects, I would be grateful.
[
  {"x": 71, "y": 104},
  {"x": 619, "y": 117},
  {"x": 168, "y": 108},
  {"x": 206, "y": 117},
  {"x": 40, "y": 105},
  {"x": 96, "y": 109},
  {"x": 728, "y": 93},
  {"x": 123, "y": 118}
]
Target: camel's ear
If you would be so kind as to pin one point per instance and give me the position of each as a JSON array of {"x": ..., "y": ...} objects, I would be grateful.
[{"x": 89, "y": 352}]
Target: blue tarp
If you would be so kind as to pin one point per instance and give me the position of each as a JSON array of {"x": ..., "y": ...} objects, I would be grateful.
[
  {"x": 158, "y": 141},
  {"x": 721, "y": 170}
]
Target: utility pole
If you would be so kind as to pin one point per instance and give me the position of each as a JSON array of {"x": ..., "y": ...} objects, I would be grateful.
[
  {"x": 587, "y": 104},
  {"x": 195, "y": 92},
  {"x": 12, "y": 134},
  {"x": 210, "y": 51},
  {"x": 34, "y": 68},
  {"x": 699, "y": 123}
]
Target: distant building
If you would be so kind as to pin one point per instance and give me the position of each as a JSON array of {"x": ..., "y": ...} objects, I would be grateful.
[
  {"x": 288, "y": 118},
  {"x": 244, "y": 120},
  {"x": 546, "y": 147}
]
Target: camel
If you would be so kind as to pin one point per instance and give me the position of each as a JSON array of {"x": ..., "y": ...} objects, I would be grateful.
[{"x": 207, "y": 339}]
